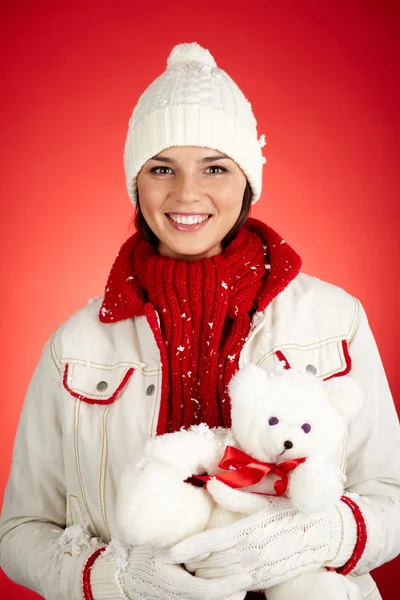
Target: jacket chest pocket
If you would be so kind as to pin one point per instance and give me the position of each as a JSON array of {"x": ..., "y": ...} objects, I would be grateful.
[
  {"x": 93, "y": 388},
  {"x": 96, "y": 384},
  {"x": 325, "y": 359}
]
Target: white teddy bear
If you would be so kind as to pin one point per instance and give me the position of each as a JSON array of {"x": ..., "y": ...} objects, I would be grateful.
[{"x": 275, "y": 418}]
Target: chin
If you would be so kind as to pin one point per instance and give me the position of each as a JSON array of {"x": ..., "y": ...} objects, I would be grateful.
[{"x": 193, "y": 251}]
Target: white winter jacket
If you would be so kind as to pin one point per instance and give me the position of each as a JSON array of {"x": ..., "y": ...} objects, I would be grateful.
[{"x": 94, "y": 399}]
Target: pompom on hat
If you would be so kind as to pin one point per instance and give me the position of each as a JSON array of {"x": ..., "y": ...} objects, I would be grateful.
[{"x": 193, "y": 103}]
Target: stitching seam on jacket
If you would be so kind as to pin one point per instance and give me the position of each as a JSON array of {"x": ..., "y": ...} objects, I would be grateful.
[
  {"x": 308, "y": 347},
  {"x": 77, "y": 462},
  {"x": 342, "y": 362},
  {"x": 355, "y": 321},
  {"x": 103, "y": 470},
  {"x": 343, "y": 462},
  {"x": 68, "y": 511},
  {"x": 318, "y": 344},
  {"x": 53, "y": 352},
  {"x": 91, "y": 394},
  {"x": 371, "y": 593},
  {"x": 108, "y": 367},
  {"x": 76, "y": 513}
]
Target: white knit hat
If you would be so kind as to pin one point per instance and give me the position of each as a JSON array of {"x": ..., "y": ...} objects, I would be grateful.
[{"x": 194, "y": 103}]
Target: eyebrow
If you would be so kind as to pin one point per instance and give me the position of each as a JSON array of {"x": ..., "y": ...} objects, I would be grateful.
[{"x": 206, "y": 159}]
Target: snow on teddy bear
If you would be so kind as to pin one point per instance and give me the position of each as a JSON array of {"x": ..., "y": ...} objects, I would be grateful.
[{"x": 291, "y": 423}]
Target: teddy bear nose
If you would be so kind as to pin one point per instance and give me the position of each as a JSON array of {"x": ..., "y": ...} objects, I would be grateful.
[{"x": 288, "y": 444}]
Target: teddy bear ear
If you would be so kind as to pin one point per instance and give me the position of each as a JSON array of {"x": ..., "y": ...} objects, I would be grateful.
[
  {"x": 248, "y": 382},
  {"x": 346, "y": 395}
]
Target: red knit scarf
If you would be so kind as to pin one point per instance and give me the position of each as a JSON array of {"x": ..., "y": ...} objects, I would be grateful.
[{"x": 204, "y": 308}]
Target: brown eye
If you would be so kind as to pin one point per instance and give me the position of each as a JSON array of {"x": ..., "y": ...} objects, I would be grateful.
[
  {"x": 222, "y": 169},
  {"x": 156, "y": 170}
]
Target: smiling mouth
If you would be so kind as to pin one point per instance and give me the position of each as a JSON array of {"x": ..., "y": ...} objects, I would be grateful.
[
  {"x": 188, "y": 218},
  {"x": 188, "y": 221}
]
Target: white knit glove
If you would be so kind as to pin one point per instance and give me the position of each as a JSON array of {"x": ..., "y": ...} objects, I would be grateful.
[
  {"x": 144, "y": 573},
  {"x": 275, "y": 543}
]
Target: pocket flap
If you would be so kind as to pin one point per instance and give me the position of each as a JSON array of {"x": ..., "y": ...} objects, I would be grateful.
[
  {"x": 95, "y": 384},
  {"x": 325, "y": 359}
]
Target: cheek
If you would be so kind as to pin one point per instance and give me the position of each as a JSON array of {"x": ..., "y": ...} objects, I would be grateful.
[
  {"x": 151, "y": 194},
  {"x": 229, "y": 201},
  {"x": 151, "y": 204},
  {"x": 226, "y": 216}
]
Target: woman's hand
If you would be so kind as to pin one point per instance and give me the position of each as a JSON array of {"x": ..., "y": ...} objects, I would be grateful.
[
  {"x": 274, "y": 543},
  {"x": 152, "y": 575},
  {"x": 237, "y": 500},
  {"x": 147, "y": 573}
]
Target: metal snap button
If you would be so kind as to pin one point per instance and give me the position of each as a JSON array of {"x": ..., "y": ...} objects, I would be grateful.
[
  {"x": 102, "y": 385},
  {"x": 311, "y": 370},
  {"x": 150, "y": 389}
]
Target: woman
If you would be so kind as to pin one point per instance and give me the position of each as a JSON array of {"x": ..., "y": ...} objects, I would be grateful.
[{"x": 198, "y": 292}]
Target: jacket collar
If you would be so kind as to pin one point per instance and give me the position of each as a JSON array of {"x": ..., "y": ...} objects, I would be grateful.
[{"x": 124, "y": 298}]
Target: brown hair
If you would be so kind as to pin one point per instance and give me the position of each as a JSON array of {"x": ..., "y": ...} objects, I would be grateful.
[{"x": 142, "y": 227}]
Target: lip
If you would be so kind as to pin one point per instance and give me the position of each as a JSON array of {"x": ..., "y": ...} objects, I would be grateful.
[
  {"x": 188, "y": 214},
  {"x": 188, "y": 228}
]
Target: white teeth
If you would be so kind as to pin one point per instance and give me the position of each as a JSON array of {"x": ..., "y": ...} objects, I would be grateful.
[{"x": 190, "y": 220}]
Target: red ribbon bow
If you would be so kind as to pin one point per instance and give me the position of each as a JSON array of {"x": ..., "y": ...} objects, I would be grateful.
[{"x": 243, "y": 470}]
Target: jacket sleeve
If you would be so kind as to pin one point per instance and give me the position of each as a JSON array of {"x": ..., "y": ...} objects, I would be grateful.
[
  {"x": 35, "y": 551},
  {"x": 373, "y": 468}
]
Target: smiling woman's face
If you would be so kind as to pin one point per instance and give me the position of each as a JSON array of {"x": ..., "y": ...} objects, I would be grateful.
[{"x": 190, "y": 197}]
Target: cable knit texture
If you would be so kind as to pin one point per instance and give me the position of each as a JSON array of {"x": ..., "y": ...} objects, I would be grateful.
[{"x": 204, "y": 310}]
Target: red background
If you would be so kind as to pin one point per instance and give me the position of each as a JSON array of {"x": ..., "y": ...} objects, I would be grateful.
[{"x": 321, "y": 80}]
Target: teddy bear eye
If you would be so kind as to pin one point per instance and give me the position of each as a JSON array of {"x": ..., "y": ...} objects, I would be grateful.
[
  {"x": 273, "y": 421},
  {"x": 306, "y": 427}
]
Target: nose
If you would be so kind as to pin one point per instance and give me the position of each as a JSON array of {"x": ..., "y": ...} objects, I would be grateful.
[
  {"x": 288, "y": 444},
  {"x": 187, "y": 189}
]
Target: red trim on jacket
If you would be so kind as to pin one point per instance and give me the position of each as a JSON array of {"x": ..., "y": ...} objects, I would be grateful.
[
  {"x": 362, "y": 536},
  {"x": 152, "y": 320},
  {"x": 347, "y": 358},
  {"x": 86, "y": 587},
  {"x": 282, "y": 358},
  {"x": 348, "y": 363},
  {"x": 96, "y": 400}
]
